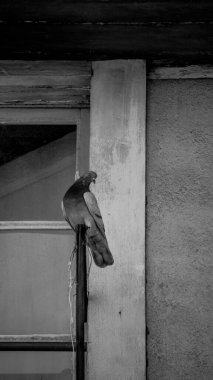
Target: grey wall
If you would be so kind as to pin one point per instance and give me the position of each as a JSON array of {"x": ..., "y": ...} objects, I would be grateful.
[{"x": 179, "y": 235}]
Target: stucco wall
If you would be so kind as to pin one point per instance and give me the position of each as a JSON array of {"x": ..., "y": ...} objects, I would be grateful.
[{"x": 179, "y": 236}]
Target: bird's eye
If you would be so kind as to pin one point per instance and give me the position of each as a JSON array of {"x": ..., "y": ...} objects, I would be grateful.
[{"x": 93, "y": 180}]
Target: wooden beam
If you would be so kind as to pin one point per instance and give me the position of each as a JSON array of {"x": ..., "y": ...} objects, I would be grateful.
[
  {"x": 45, "y": 84},
  {"x": 106, "y": 11},
  {"x": 187, "y": 72},
  {"x": 74, "y": 71},
  {"x": 117, "y": 153},
  {"x": 57, "y": 97},
  {"x": 34, "y": 116},
  {"x": 91, "y": 41}
]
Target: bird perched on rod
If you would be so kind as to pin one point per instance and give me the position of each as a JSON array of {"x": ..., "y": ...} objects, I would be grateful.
[{"x": 80, "y": 206}]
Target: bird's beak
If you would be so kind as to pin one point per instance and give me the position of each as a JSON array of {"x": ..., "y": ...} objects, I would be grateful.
[{"x": 93, "y": 180}]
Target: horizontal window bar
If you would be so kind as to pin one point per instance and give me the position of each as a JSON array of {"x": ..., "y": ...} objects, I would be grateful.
[
  {"x": 34, "y": 225},
  {"x": 37, "y": 346},
  {"x": 37, "y": 343},
  {"x": 36, "y": 338}
]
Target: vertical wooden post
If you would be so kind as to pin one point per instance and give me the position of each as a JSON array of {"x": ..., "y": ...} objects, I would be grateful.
[
  {"x": 116, "y": 315},
  {"x": 81, "y": 301}
]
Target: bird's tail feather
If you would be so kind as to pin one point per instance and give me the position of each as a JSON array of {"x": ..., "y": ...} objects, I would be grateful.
[{"x": 99, "y": 247}]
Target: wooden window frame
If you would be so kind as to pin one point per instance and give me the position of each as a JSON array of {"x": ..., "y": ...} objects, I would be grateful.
[
  {"x": 38, "y": 116},
  {"x": 34, "y": 117}
]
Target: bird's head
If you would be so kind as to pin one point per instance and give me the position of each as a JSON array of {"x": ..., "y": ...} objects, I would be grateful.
[{"x": 87, "y": 178}]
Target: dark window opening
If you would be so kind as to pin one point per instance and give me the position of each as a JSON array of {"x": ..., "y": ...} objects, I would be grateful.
[{"x": 17, "y": 140}]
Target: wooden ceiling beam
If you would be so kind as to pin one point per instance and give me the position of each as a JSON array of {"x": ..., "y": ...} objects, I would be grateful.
[
  {"x": 111, "y": 11},
  {"x": 89, "y": 29},
  {"x": 88, "y": 41},
  {"x": 49, "y": 84}
]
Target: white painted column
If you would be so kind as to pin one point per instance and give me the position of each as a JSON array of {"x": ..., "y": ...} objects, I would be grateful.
[{"x": 117, "y": 153}]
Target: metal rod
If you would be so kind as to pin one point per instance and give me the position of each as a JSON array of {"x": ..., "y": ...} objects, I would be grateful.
[
  {"x": 81, "y": 301},
  {"x": 38, "y": 346}
]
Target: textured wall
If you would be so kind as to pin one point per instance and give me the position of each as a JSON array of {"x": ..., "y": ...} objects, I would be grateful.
[{"x": 179, "y": 238}]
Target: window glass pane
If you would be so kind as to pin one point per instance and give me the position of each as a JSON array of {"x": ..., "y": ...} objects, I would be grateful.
[
  {"x": 36, "y": 365},
  {"x": 35, "y": 177},
  {"x": 34, "y": 282}
]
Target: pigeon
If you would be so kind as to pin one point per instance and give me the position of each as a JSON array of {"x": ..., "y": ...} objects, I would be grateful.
[{"x": 80, "y": 206}]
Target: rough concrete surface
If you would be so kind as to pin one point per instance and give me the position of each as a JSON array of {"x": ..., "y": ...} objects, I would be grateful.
[{"x": 179, "y": 230}]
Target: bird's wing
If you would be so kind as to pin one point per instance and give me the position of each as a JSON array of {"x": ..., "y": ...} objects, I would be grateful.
[
  {"x": 94, "y": 210},
  {"x": 66, "y": 216}
]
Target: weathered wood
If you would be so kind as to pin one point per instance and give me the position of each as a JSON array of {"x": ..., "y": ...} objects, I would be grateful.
[
  {"x": 117, "y": 154},
  {"x": 25, "y": 96},
  {"x": 20, "y": 116},
  {"x": 92, "y": 41},
  {"x": 73, "y": 83},
  {"x": 54, "y": 70},
  {"x": 106, "y": 11},
  {"x": 188, "y": 72},
  {"x": 39, "y": 84},
  {"x": 33, "y": 225}
]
